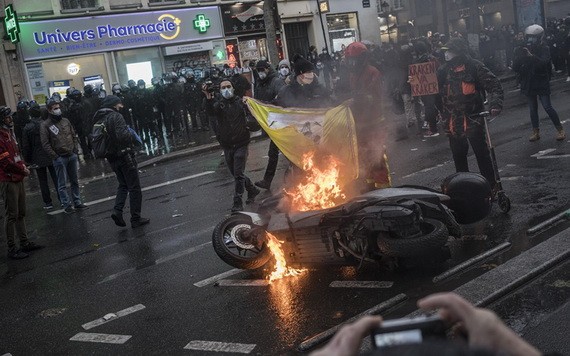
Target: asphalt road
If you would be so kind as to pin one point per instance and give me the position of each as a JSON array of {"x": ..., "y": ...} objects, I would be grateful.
[{"x": 162, "y": 281}]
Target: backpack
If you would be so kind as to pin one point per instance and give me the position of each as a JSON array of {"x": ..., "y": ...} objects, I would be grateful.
[{"x": 99, "y": 140}]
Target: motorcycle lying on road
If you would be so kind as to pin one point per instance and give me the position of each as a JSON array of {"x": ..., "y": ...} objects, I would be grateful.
[{"x": 401, "y": 226}]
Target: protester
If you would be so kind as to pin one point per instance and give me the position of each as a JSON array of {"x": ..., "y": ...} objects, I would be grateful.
[
  {"x": 35, "y": 154},
  {"x": 462, "y": 81},
  {"x": 13, "y": 170},
  {"x": 364, "y": 89},
  {"x": 266, "y": 89},
  {"x": 429, "y": 101},
  {"x": 486, "y": 333},
  {"x": 285, "y": 70},
  {"x": 121, "y": 157},
  {"x": 532, "y": 63},
  {"x": 229, "y": 113},
  {"x": 60, "y": 142}
]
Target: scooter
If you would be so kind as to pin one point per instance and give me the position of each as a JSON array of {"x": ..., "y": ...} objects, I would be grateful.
[{"x": 407, "y": 225}]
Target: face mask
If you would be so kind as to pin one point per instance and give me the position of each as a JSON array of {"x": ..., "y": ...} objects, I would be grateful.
[
  {"x": 284, "y": 71},
  {"x": 449, "y": 55},
  {"x": 141, "y": 86},
  {"x": 246, "y": 70},
  {"x": 56, "y": 112},
  {"x": 227, "y": 93},
  {"x": 307, "y": 78},
  {"x": 262, "y": 75}
]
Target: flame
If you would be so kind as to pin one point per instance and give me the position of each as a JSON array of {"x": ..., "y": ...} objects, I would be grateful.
[
  {"x": 320, "y": 188},
  {"x": 281, "y": 269}
]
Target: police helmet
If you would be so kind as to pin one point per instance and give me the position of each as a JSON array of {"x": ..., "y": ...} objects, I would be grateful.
[
  {"x": 141, "y": 83},
  {"x": 69, "y": 90},
  {"x": 116, "y": 89},
  {"x": 75, "y": 95},
  {"x": 131, "y": 83},
  {"x": 5, "y": 111},
  {"x": 22, "y": 105},
  {"x": 56, "y": 97},
  {"x": 155, "y": 81},
  {"x": 88, "y": 89}
]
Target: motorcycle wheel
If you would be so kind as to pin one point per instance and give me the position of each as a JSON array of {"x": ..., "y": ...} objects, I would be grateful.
[
  {"x": 234, "y": 250},
  {"x": 434, "y": 235}
]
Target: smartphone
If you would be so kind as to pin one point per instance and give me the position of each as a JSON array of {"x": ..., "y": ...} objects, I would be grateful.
[{"x": 408, "y": 331}]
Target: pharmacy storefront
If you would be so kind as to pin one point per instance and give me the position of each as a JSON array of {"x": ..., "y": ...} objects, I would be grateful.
[{"x": 102, "y": 50}]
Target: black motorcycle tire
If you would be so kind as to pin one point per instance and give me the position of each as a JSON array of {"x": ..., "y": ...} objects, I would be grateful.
[
  {"x": 227, "y": 255},
  {"x": 436, "y": 236}
]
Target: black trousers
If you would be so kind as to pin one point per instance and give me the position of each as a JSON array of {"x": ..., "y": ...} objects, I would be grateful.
[
  {"x": 273, "y": 154},
  {"x": 42, "y": 173},
  {"x": 236, "y": 159},
  {"x": 430, "y": 111},
  {"x": 129, "y": 184},
  {"x": 460, "y": 148}
]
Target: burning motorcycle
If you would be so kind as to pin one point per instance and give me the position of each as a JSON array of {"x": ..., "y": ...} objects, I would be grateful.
[{"x": 391, "y": 226}]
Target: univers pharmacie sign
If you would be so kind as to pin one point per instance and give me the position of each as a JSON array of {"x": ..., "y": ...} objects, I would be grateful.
[{"x": 76, "y": 36}]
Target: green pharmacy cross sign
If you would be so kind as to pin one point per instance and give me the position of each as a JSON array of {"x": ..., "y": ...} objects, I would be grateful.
[
  {"x": 12, "y": 25},
  {"x": 201, "y": 23}
]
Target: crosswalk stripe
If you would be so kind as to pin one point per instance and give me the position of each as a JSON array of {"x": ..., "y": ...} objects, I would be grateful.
[
  {"x": 361, "y": 284},
  {"x": 216, "y": 346},
  {"x": 112, "y": 316},
  {"x": 102, "y": 338},
  {"x": 243, "y": 283}
]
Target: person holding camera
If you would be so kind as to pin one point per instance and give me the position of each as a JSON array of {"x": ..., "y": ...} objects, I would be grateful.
[
  {"x": 486, "y": 333},
  {"x": 232, "y": 125},
  {"x": 121, "y": 157},
  {"x": 533, "y": 65}
]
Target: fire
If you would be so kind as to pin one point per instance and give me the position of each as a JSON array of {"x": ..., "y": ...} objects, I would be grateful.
[
  {"x": 320, "y": 188},
  {"x": 281, "y": 270}
]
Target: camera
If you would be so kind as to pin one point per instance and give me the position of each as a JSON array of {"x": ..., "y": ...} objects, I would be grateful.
[
  {"x": 408, "y": 331},
  {"x": 211, "y": 87}
]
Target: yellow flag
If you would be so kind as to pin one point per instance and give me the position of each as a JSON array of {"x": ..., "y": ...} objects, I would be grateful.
[{"x": 297, "y": 131}]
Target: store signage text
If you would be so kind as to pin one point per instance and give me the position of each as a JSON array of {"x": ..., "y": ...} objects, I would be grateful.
[
  {"x": 109, "y": 31},
  {"x": 72, "y": 36},
  {"x": 12, "y": 25},
  {"x": 73, "y": 68}
]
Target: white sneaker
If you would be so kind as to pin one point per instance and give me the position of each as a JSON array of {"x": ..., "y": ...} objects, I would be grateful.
[{"x": 568, "y": 79}]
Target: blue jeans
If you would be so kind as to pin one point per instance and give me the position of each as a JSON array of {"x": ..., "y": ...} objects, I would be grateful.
[
  {"x": 66, "y": 168},
  {"x": 533, "y": 107}
]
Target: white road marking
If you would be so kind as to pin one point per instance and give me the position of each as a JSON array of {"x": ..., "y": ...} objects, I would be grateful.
[
  {"x": 511, "y": 178},
  {"x": 543, "y": 152},
  {"x": 554, "y": 156},
  {"x": 112, "y": 316},
  {"x": 216, "y": 346},
  {"x": 216, "y": 278},
  {"x": 427, "y": 169},
  {"x": 158, "y": 261},
  {"x": 55, "y": 212},
  {"x": 102, "y": 338},
  {"x": 361, "y": 284},
  {"x": 243, "y": 283}
]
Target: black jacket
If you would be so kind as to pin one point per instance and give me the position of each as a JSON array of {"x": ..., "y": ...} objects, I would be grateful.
[
  {"x": 230, "y": 122},
  {"x": 121, "y": 139},
  {"x": 296, "y": 95},
  {"x": 534, "y": 71},
  {"x": 32, "y": 148},
  {"x": 267, "y": 89}
]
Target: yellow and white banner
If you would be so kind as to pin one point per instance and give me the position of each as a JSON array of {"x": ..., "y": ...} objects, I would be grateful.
[{"x": 297, "y": 131}]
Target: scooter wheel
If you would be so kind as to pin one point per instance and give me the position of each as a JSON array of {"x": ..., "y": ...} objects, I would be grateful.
[{"x": 504, "y": 202}]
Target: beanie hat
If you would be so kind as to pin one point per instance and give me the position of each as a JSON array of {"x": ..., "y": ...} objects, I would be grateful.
[
  {"x": 301, "y": 65},
  {"x": 262, "y": 64},
  {"x": 110, "y": 101},
  {"x": 284, "y": 62}
]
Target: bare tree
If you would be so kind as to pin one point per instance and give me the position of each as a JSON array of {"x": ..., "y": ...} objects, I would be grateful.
[{"x": 269, "y": 8}]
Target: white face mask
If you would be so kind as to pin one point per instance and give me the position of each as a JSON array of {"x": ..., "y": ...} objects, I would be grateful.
[
  {"x": 262, "y": 75},
  {"x": 227, "y": 93},
  {"x": 56, "y": 112},
  {"x": 449, "y": 55},
  {"x": 307, "y": 78},
  {"x": 284, "y": 71}
]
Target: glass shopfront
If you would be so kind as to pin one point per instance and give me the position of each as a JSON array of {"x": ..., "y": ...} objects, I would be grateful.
[
  {"x": 343, "y": 30},
  {"x": 52, "y": 76},
  {"x": 102, "y": 50}
]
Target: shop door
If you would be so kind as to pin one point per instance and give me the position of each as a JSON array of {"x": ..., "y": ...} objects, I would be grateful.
[{"x": 297, "y": 38}]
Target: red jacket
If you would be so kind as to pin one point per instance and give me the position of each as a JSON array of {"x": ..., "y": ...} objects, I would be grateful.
[{"x": 11, "y": 164}]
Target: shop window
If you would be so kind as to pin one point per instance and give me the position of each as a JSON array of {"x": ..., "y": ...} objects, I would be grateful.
[
  {"x": 165, "y": 2},
  {"x": 124, "y": 4},
  {"x": 140, "y": 63},
  {"x": 343, "y": 29},
  {"x": 33, "y": 7},
  {"x": 79, "y": 4}
]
